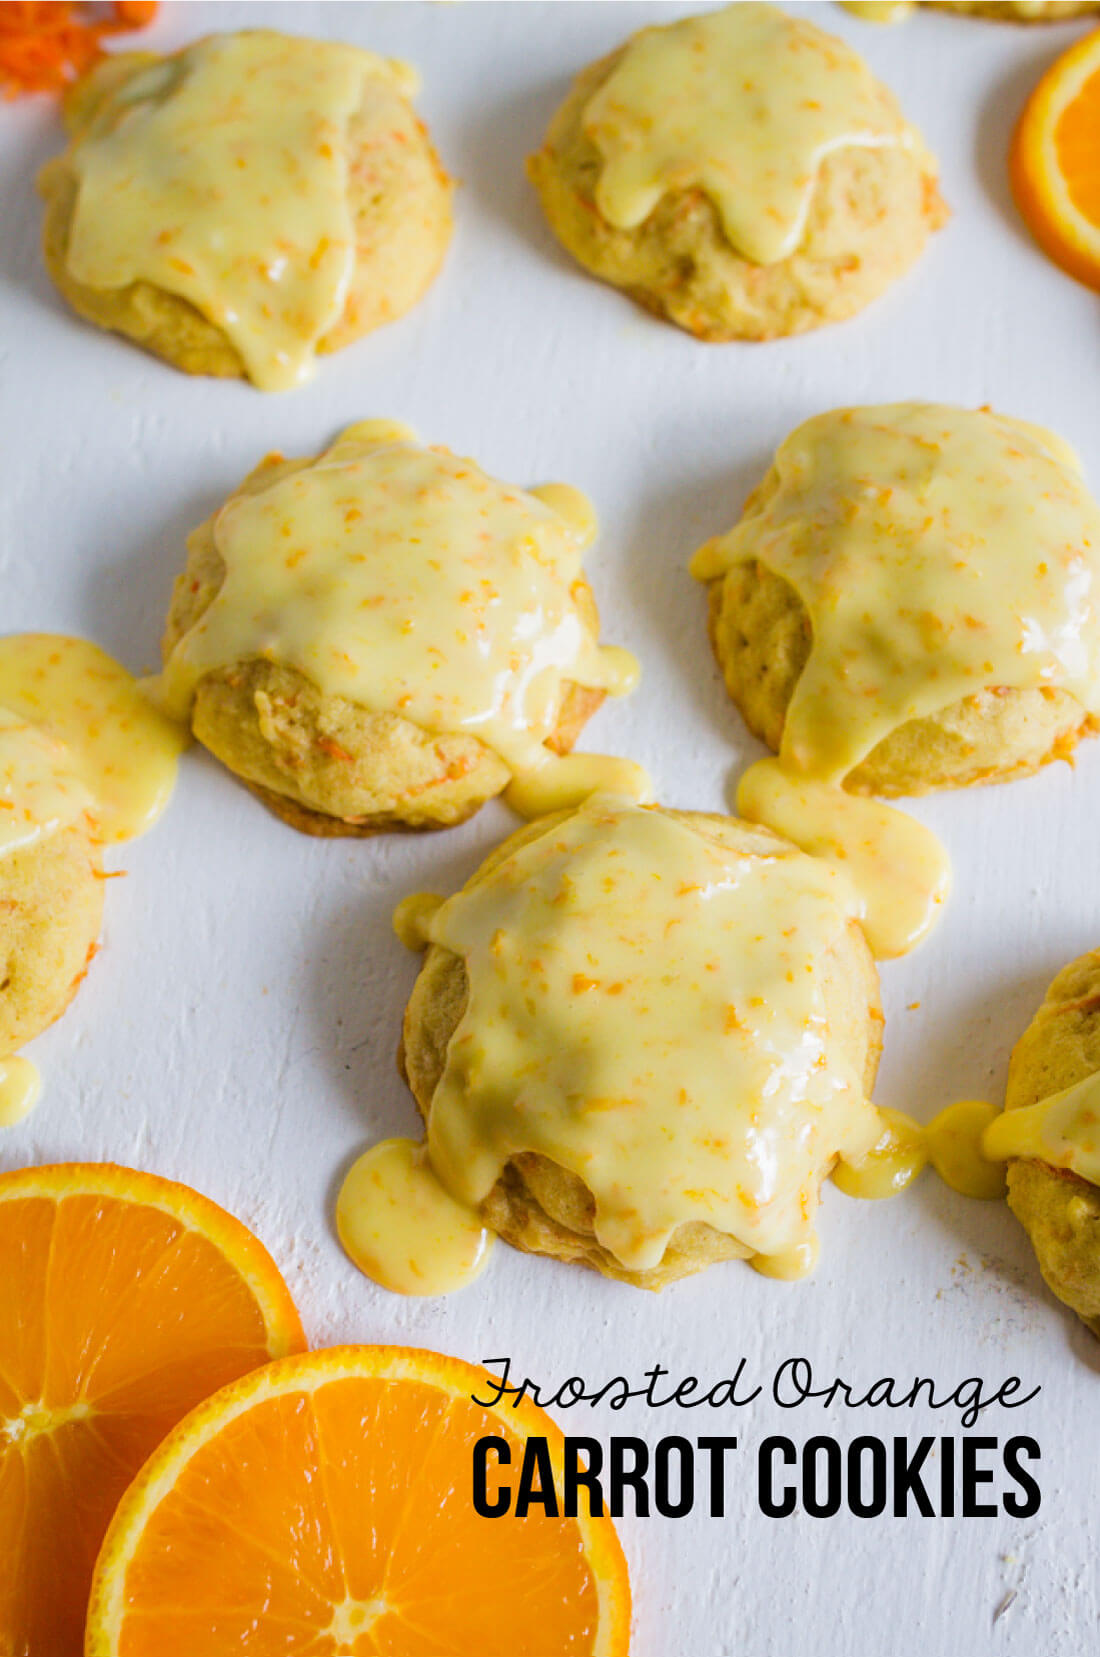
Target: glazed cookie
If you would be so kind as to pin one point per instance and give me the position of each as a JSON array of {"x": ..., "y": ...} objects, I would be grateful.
[
  {"x": 1019, "y": 11},
  {"x": 51, "y": 893},
  {"x": 1005, "y": 11},
  {"x": 1052, "y": 1105},
  {"x": 905, "y": 604},
  {"x": 740, "y": 173},
  {"x": 246, "y": 203},
  {"x": 641, "y": 1038},
  {"x": 85, "y": 761},
  {"x": 51, "y": 904},
  {"x": 385, "y": 637}
]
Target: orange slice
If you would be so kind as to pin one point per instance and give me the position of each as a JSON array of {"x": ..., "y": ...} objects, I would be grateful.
[
  {"x": 124, "y": 1300},
  {"x": 1055, "y": 161},
  {"x": 322, "y": 1508}
]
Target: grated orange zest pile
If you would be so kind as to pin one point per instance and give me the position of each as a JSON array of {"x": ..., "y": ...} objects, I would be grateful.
[{"x": 47, "y": 44}]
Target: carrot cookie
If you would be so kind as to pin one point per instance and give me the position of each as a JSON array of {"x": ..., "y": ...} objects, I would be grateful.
[
  {"x": 84, "y": 761},
  {"x": 640, "y": 1039},
  {"x": 907, "y": 601},
  {"x": 1050, "y": 1133},
  {"x": 741, "y": 173},
  {"x": 1019, "y": 11},
  {"x": 51, "y": 896},
  {"x": 1007, "y": 11},
  {"x": 246, "y": 203},
  {"x": 385, "y": 637},
  {"x": 906, "y": 604}
]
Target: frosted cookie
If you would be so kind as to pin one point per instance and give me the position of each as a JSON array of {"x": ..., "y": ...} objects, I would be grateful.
[
  {"x": 1019, "y": 11},
  {"x": 84, "y": 761},
  {"x": 246, "y": 203},
  {"x": 51, "y": 896},
  {"x": 906, "y": 602},
  {"x": 1050, "y": 1132},
  {"x": 386, "y": 637},
  {"x": 740, "y": 173},
  {"x": 1005, "y": 11},
  {"x": 640, "y": 1040}
]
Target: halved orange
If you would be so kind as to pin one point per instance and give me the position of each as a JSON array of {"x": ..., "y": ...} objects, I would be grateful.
[
  {"x": 1055, "y": 161},
  {"x": 124, "y": 1300},
  {"x": 322, "y": 1508}
]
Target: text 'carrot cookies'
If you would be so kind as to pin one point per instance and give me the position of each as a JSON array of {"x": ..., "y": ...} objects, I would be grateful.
[
  {"x": 385, "y": 636},
  {"x": 740, "y": 173},
  {"x": 246, "y": 203}
]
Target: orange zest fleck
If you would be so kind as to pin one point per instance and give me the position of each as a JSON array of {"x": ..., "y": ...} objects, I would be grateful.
[
  {"x": 45, "y": 45},
  {"x": 328, "y": 745}
]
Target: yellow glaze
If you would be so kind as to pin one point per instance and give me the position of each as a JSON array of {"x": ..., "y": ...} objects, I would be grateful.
[
  {"x": 1063, "y": 1131},
  {"x": 880, "y": 11},
  {"x": 20, "y": 1085},
  {"x": 744, "y": 103},
  {"x": 898, "y": 868},
  {"x": 405, "y": 580},
  {"x": 412, "y": 918},
  {"x": 116, "y": 743},
  {"x": 39, "y": 789},
  {"x": 401, "y": 1228},
  {"x": 698, "y": 1080},
  {"x": 226, "y": 182},
  {"x": 570, "y": 504},
  {"x": 790, "y": 1264},
  {"x": 952, "y": 1143},
  {"x": 955, "y": 1140},
  {"x": 938, "y": 552},
  {"x": 571, "y": 778},
  {"x": 892, "y": 1162},
  {"x": 77, "y": 736}
]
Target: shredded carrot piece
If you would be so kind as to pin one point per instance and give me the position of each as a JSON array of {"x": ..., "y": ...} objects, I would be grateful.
[{"x": 47, "y": 44}]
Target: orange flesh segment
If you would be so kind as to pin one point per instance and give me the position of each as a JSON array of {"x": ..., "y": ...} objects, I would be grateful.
[
  {"x": 1077, "y": 143},
  {"x": 358, "y": 1491},
  {"x": 116, "y": 1318}
]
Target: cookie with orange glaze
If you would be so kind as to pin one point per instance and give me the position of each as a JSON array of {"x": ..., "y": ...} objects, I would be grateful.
[
  {"x": 383, "y": 636},
  {"x": 304, "y": 205},
  {"x": 683, "y": 168},
  {"x": 51, "y": 905},
  {"x": 1059, "y": 1210}
]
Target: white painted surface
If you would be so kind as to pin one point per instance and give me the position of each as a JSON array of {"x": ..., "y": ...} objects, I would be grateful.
[{"x": 238, "y": 1029}]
